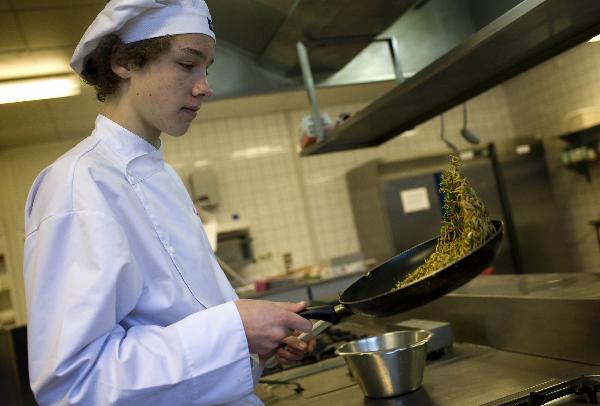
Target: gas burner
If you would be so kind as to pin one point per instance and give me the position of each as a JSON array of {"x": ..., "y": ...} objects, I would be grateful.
[
  {"x": 578, "y": 391},
  {"x": 327, "y": 343}
]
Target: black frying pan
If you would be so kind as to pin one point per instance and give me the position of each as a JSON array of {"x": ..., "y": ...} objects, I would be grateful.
[{"x": 374, "y": 294}]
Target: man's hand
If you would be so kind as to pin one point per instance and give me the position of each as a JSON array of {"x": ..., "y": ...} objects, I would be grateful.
[
  {"x": 295, "y": 348},
  {"x": 267, "y": 324}
]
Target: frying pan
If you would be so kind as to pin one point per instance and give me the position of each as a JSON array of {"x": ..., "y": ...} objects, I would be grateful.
[{"x": 374, "y": 294}]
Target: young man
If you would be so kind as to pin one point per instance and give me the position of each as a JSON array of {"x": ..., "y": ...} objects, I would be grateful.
[{"x": 126, "y": 302}]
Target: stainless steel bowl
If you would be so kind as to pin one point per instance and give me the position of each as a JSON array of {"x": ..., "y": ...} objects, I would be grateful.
[{"x": 389, "y": 364}]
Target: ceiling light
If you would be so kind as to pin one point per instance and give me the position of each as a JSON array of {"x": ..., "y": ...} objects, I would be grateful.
[
  {"x": 46, "y": 87},
  {"x": 595, "y": 39}
]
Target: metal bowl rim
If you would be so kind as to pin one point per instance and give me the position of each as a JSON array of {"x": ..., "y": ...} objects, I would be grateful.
[{"x": 423, "y": 341}]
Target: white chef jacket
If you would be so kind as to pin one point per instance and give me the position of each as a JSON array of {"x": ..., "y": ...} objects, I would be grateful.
[{"x": 127, "y": 304}]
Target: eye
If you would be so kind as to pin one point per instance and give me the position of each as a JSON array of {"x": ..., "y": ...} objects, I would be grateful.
[{"x": 186, "y": 66}]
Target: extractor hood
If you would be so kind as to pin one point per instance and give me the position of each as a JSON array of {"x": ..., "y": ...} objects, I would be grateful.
[
  {"x": 256, "y": 40},
  {"x": 525, "y": 35}
]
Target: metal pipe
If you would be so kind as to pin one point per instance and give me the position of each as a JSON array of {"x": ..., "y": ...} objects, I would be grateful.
[
  {"x": 395, "y": 51},
  {"x": 309, "y": 84},
  {"x": 511, "y": 231}
]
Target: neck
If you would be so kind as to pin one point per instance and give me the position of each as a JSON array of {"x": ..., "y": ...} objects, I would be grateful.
[{"x": 123, "y": 114}]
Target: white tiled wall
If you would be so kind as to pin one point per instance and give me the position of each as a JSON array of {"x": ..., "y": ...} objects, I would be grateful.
[
  {"x": 301, "y": 205},
  {"x": 254, "y": 161},
  {"x": 540, "y": 101}
]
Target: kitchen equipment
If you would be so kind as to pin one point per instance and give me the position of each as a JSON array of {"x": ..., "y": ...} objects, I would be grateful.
[
  {"x": 522, "y": 36},
  {"x": 389, "y": 364},
  {"x": 469, "y": 375},
  {"x": 14, "y": 384},
  {"x": 326, "y": 345},
  {"x": 450, "y": 145},
  {"x": 547, "y": 315},
  {"x": 441, "y": 334},
  {"x": 374, "y": 294},
  {"x": 510, "y": 176},
  {"x": 219, "y": 238},
  {"x": 514, "y": 334},
  {"x": 467, "y": 134},
  {"x": 581, "y": 390}
]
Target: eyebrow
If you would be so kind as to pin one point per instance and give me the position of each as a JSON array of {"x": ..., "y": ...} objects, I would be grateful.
[{"x": 198, "y": 53}]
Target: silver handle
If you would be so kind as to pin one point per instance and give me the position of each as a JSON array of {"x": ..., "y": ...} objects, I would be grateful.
[{"x": 318, "y": 327}]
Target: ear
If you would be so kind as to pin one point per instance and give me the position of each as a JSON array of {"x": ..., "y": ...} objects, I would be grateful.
[
  {"x": 120, "y": 70},
  {"x": 119, "y": 65}
]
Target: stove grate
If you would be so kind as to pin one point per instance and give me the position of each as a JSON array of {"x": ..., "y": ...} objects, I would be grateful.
[{"x": 582, "y": 390}]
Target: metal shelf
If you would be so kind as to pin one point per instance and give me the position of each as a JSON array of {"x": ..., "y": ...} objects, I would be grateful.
[
  {"x": 525, "y": 36},
  {"x": 588, "y": 138}
]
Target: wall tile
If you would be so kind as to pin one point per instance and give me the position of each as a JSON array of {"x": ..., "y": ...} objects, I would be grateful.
[{"x": 539, "y": 101}]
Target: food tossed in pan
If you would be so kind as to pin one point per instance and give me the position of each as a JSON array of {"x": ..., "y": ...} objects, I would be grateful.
[{"x": 466, "y": 224}]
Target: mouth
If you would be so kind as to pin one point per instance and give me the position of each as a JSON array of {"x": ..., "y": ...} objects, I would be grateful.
[{"x": 190, "y": 111}]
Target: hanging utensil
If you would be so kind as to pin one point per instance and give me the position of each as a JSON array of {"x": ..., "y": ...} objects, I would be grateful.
[
  {"x": 465, "y": 132},
  {"x": 442, "y": 132}
]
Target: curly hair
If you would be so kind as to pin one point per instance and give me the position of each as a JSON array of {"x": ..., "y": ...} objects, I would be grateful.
[{"x": 97, "y": 70}]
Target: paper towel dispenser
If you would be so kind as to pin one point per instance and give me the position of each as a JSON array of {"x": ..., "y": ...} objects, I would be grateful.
[
  {"x": 234, "y": 244},
  {"x": 204, "y": 187}
]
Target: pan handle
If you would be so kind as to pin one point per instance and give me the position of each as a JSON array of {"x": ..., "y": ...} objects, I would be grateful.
[{"x": 329, "y": 313}]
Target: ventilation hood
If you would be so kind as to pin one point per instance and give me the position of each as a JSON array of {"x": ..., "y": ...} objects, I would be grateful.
[
  {"x": 523, "y": 36},
  {"x": 256, "y": 39},
  {"x": 448, "y": 52}
]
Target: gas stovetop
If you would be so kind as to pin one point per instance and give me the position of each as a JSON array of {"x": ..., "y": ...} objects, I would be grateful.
[
  {"x": 582, "y": 390},
  {"x": 467, "y": 375}
]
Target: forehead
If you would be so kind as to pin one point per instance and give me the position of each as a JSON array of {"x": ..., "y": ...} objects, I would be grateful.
[{"x": 199, "y": 42}]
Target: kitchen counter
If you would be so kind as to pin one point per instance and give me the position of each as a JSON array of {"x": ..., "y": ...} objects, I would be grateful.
[
  {"x": 312, "y": 290},
  {"x": 580, "y": 286},
  {"x": 511, "y": 332},
  {"x": 468, "y": 375}
]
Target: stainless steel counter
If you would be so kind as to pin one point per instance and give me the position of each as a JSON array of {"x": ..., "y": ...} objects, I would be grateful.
[
  {"x": 574, "y": 286},
  {"x": 312, "y": 291},
  {"x": 469, "y": 375},
  {"x": 513, "y": 332},
  {"x": 550, "y": 315}
]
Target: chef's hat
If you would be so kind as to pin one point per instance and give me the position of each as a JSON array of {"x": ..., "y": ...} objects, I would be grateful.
[{"x": 135, "y": 20}]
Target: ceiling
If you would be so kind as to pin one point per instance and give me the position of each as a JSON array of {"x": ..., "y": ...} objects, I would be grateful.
[{"x": 40, "y": 35}]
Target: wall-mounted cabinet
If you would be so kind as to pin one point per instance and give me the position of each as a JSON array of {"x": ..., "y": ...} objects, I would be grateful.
[{"x": 582, "y": 150}]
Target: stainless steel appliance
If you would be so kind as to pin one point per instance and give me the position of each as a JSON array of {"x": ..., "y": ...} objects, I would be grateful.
[
  {"x": 397, "y": 205},
  {"x": 534, "y": 337},
  {"x": 581, "y": 390},
  {"x": 14, "y": 374},
  {"x": 388, "y": 364},
  {"x": 469, "y": 375}
]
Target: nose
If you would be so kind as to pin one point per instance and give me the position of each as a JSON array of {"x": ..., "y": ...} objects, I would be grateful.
[{"x": 202, "y": 88}]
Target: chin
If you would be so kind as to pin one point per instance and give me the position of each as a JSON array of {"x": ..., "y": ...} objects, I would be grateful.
[{"x": 177, "y": 132}]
